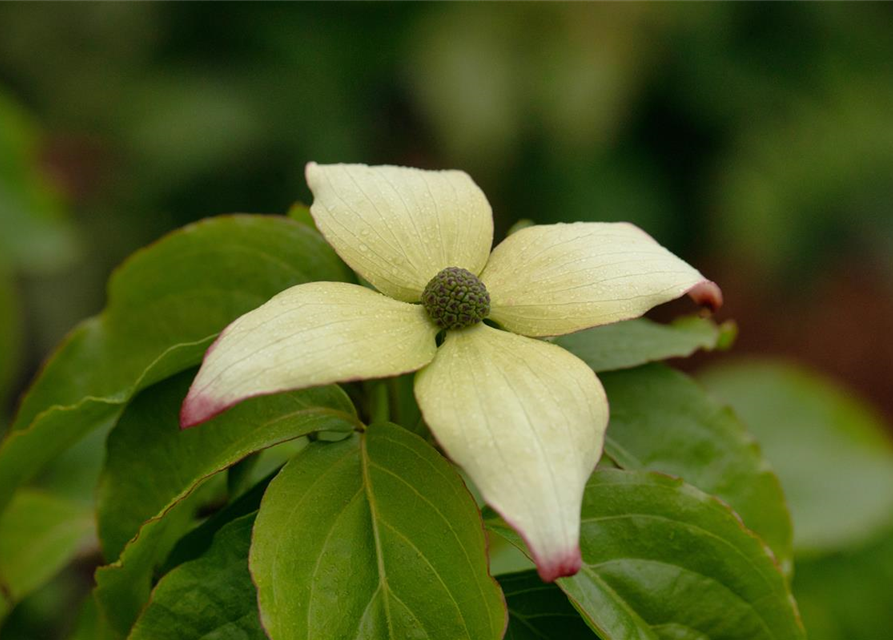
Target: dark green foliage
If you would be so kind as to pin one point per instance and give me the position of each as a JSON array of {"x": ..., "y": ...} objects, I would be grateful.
[
  {"x": 539, "y": 611},
  {"x": 210, "y": 597}
]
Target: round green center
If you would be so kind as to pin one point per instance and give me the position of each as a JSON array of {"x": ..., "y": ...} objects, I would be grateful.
[{"x": 456, "y": 298}]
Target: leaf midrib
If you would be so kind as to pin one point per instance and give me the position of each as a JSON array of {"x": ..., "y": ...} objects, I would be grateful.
[{"x": 379, "y": 556}]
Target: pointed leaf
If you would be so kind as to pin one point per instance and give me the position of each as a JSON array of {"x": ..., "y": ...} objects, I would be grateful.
[
  {"x": 154, "y": 469},
  {"x": 625, "y": 345},
  {"x": 661, "y": 420},
  {"x": 211, "y": 597},
  {"x": 373, "y": 538},
  {"x": 166, "y": 304},
  {"x": 664, "y": 560}
]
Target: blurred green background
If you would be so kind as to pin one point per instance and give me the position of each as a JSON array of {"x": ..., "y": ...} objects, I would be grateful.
[{"x": 755, "y": 140}]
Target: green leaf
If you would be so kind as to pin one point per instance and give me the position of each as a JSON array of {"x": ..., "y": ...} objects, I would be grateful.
[
  {"x": 832, "y": 452},
  {"x": 505, "y": 557},
  {"x": 540, "y": 611},
  {"x": 198, "y": 540},
  {"x": 301, "y": 213},
  {"x": 629, "y": 344},
  {"x": 75, "y": 473},
  {"x": 211, "y": 597},
  {"x": 90, "y": 624},
  {"x": 147, "y": 493},
  {"x": 846, "y": 595},
  {"x": 39, "y": 535},
  {"x": 373, "y": 537},
  {"x": 166, "y": 304},
  {"x": 661, "y": 420},
  {"x": 663, "y": 560}
]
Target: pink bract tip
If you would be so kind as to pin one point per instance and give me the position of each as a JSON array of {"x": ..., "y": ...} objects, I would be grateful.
[
  {"x": 560, "y": 567},
  {"x": 707, "y": 294},
  {"x": 199, "y": 408}
]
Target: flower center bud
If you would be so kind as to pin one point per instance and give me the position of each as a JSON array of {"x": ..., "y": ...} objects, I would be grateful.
[{"x": 456, "y": 298}]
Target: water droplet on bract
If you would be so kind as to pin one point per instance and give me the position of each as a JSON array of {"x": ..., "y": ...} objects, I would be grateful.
[{"x": 364, "y": 248}]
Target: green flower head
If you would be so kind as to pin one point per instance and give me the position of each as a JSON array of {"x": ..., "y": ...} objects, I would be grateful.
[
  {"x": 525, "y": 418},
  {"x": 456, "y": 298}
]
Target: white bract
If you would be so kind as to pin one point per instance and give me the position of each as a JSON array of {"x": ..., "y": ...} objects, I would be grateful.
[{"x": 525, "y": 418}]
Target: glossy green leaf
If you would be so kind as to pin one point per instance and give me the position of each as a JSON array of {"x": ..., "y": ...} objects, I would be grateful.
[
  {"x": 154, "y": 469},
  {"x": 663, "y": 560},
  {"x": 373, "y": 537},
  {"x": 540, "y": 611},
  {"x": 211, "y": 597},
  {"x": 39, "y": 535},
  {"x": 624, "y": 345},
  {"x": 166, "y": 304},
  {"x": 662, "y": 420},
  {"x": 846, "y": 595},
  {"x": 832, "y": 453}
]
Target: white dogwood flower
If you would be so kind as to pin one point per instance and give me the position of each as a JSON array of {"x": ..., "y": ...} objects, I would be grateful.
[{"x": 525, "y": 418}]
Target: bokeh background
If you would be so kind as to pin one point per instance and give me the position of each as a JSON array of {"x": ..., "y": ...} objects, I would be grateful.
[{"x": 755, "y": 140}]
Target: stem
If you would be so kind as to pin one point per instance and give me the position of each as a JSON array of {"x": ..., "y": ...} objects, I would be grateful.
[{"x": 378, "y": 401}]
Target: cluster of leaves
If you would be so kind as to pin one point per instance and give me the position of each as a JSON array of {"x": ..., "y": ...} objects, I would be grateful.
[{"x": 289, "y": 517}]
